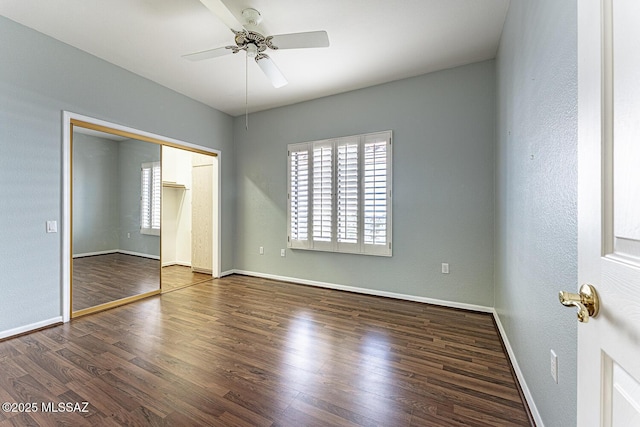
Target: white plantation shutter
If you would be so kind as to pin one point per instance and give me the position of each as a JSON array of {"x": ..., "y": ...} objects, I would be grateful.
[
  {"x": 151, "y": 190},
  {"x": 322, "y": 193},
  {"x": 145, "y": 204},
  {"x": 299, "y": 163},
  {"x": 375, "y": 191},
  {"x": 156, "y": 194},
  {"x": 339, "y": 195},
  {"x": 348, "y": 198}
]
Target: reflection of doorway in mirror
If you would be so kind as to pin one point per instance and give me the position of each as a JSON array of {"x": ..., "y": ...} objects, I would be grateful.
[{"x": 188, "y": 218}]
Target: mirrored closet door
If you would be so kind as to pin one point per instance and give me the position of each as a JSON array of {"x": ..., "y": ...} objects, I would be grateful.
[
  {"x": 116, "y": 208},
  {"x": 144, "y": 216}
]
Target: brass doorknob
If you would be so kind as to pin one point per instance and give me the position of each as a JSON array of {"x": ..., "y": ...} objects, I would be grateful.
[{"x": 587, "y": 302}]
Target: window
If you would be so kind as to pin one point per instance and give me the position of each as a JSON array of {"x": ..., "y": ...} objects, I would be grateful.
[
  {"x": 151, "y": 189},
  {"x": 339, "y": 194}
]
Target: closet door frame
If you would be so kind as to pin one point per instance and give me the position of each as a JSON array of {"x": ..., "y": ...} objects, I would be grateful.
[{"x": 69, "y": 120}]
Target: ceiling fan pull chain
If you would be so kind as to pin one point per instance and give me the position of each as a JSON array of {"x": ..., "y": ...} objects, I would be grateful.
[{"x": 246, "y": 91}]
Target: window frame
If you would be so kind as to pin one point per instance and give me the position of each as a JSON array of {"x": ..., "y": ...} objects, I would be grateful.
[{"x": 299, "y": 202}]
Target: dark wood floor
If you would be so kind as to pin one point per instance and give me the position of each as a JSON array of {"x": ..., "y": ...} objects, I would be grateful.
[
  {"x": 105, "y": 278},
  {"x": 243, "y": 351}
]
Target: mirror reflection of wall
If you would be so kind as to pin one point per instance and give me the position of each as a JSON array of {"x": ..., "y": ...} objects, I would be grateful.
[{"x": 114, "y": 256}]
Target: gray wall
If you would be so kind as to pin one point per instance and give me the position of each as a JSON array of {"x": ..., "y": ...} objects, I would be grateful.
[
  {"x": 443, "y": 130},
  {"x": 536, "y": 191},
  {"x": 39, "y": 78},
  {"x": 96, "y": 200}
]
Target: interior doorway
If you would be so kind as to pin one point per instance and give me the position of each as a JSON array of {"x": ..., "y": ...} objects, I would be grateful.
[{"x": 188, "y": 251}]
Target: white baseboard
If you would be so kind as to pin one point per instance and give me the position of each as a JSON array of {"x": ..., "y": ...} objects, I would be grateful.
[
  {"x": 139, "y": 254},
  {"x": 170, "y": 263},
  {"x": 227, "y": 273},
  {"x": 367, "y": 291},
  {"x": 514, "y": 362},
  {"x": 202, "y": 270},
  {"x": 28, "y": 328},
  {"x": 116, "y": 251},
  {"x": 86, "y": 254}
]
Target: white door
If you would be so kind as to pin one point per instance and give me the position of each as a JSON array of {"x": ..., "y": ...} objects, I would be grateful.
[
  {"x": 202, "y": 217},
  {"x": 609, "y": 210}
]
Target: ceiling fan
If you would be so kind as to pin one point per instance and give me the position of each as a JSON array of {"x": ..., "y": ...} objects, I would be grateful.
[{"x": 255, "y": 44}]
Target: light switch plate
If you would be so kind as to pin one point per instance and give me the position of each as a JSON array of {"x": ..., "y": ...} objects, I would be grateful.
[
  {"x": 52, "y": 226},
  {"x": 554, "y": 366}
]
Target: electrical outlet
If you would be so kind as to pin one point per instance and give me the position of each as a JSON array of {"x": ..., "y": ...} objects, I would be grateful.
[
  {"x": 261, "y": 250},
  {"x": 445, "y": 268},
  {"x": 554, "y": 366},
  {"x": 283, "y": 253}
]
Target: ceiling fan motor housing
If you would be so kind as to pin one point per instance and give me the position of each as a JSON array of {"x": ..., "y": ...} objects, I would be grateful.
[{"x": 245, "y": 38}]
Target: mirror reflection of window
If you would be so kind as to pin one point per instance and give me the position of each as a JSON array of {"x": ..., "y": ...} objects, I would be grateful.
[{"x": 151, "y": 189}]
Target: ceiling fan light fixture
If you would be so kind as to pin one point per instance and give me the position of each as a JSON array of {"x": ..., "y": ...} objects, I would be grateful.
[{"x": 252, "y": 50}]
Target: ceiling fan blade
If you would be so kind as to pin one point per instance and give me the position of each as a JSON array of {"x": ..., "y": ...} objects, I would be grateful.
[
  {"x": 221, "y": 11},
  {"x": 208, "y": 54},
  {"x": 270, "y": 69},
  {"x": 300, "y": 40}
]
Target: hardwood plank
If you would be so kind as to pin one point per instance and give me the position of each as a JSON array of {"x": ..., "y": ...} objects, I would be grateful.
[{"x": 20, "y": 420}]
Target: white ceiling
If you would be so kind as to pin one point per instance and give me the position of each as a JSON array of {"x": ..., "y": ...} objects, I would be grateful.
[{"x": 372, "y": 42}]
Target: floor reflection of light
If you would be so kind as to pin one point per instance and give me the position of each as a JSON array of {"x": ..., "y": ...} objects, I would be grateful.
[
  {"x": 301, "y": 359},
  {"x": 373, "y": 375},
  {"x": 150, "y": 330}
]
